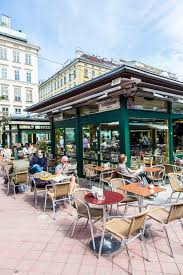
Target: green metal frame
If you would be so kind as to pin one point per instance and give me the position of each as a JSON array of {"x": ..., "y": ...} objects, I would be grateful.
[{"x": 121, "y": 115}]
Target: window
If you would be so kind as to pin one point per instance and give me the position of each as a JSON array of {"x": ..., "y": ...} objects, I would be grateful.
[
  {"x": 93, "y": 74},
  {"x": 27, "y": 59},
  {"x": 55, "y": 85},
  {"x": 28, "y": 95},
  {"x": 18, "y": 111},
  {"x": 60, "y": 82},
  {"x": 3, "y": 53},
  {"x": 65, "y": 80},
  {"x": 85, "y": 72},
  {"x": 17, "y": 94},
  {"x": 28, "y": 76},
  {"x": 5, "y": 111},
  {"x": 70, "y": 77},
  {"x": 74, "y": 74},
  {"x": 4, "y": 73},
  {"x": 4, "y": 92},
  {"x": 16, "y": 56},
  {"x": 17, "y": 74}
]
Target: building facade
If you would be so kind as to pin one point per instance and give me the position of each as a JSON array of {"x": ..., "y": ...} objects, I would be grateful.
[
  {"x": 81, "y": 69},
  {"x": 18, "y": 71}
]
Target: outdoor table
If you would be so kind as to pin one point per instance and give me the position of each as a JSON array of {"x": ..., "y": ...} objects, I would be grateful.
[
  {"x": 102, "y": 170},
  {"x": 140, "y": 191},
  {"x": 105, "y": 244}
]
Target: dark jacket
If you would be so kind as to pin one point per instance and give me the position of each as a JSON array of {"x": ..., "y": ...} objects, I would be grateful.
[{"x": 40, "y": 161}]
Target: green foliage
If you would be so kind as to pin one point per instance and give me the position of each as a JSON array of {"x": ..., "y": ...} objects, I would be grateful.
[
  {"x": 57, "y": 137},
  {"x": 42, "y": 145}
]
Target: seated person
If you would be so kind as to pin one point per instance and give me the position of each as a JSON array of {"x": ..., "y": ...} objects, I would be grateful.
[
  {"x": 125, "y": 171},
  {"x": 38, "y": 163},
  {"x": 65, "y": 171}
]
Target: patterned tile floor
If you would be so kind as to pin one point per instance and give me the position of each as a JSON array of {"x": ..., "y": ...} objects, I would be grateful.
[{"x": 31, "y": 242}]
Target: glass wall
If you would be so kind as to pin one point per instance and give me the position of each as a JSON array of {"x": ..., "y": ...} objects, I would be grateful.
[
  {"x": 148, "y": 104},
  {"x": 109, "y": 141},
  {"x": 66, "y": 141},
  {"x": 90, "y": 141},
  {"x": 148, "y": 141},
  {"x": 178, "y": 137}
]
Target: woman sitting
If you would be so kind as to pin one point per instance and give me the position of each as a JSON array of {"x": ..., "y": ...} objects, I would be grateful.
[{"x": 126, "y": 171}]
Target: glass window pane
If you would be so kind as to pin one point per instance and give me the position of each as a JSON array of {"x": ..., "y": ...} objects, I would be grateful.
[
  {"x": 59, "y": 139},
  {"x": 178, "y": 138},
  {"x": 177, "y": 108},
  {"x": 109, "y": 141},
  {"x": 90, "y": 141},
  {"x": 70, "y": 141},
  {"x": 148, "y": 141}
]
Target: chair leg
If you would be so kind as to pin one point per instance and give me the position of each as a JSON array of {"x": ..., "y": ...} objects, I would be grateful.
[
  {"x": 8, "y": 188},
  {"x": 70, "y": 206},
  {"x": 45, "y": 201},
  {"x": 35, "y": 197},
  {"x": 92, "y": 234},
  {"x": 126, "y": 207},
  {"x": 75, "y": 222},
  {"x": 168, "y": 240},
  {"x": 129, "y": 259},
  {"x": 54, "y": 212},
  {"x": 14, "y": 191},
  {"x": 178, "y": 197},
  {"x": 171, "y": 196},
  {"x": 86, "y": 223},
  {"x": 145, "y": 246}
]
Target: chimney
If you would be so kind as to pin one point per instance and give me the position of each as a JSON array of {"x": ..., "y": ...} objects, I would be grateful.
[{"x": 5, "y": 21}]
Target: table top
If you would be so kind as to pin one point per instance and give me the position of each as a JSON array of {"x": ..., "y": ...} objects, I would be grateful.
[
  {"x": 139, "y": 190},
  {"x": 152, "y": 169},
  {"x": 102, "y": 168},
  {"x": 110, "y": 198}
]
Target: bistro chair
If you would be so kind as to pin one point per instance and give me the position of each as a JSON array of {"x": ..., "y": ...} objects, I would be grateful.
[
  {"x": 127, "y": 230},
  {"x": 57, "y": 192},
  {"x": 165, "y": 217},
  {"x": 90, "y": 173},
  {"x": 36, "y": 184},
  {"x": 158, "y": 178},
  {"x": 106, "y": 177},
  {"x": 148, "y": 160},
  {"x": 176, "y": 185},
  {"x": 16, "y": 180},
  {"x": 115, "y": 186},
  {"x": 85, "y": 211},
  {"x": 51, "y": 165}
]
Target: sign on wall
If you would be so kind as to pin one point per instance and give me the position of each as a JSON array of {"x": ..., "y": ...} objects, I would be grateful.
[{"x": 109, "y": 104}]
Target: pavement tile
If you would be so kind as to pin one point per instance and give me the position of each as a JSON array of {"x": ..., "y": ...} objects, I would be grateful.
[{"x": 169, "y": 268}]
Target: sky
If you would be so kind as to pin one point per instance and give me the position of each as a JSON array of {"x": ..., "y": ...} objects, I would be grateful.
[{"x": 147, "y": 31}]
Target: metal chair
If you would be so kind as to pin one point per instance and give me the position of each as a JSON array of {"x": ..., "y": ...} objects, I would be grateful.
[
  {"x": 175, "y": 184},
  {"x": 84, "y": 211},
  {"x": 36, "y": 189},
  {"x": 16, "y": 180},
  {"x": 128, "y": 230},
  {"x": 158, "y": 178},
  {"x": 115, "y": 186},
  {"x": 165, "y": 217},
  {"x": 90, "y": 173},
  {"x": 57, "y": 192}
]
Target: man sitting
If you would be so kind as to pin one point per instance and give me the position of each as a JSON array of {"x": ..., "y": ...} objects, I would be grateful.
[
  {"x": 65, "y": 172},
  {"x": 38, "y": 163}
]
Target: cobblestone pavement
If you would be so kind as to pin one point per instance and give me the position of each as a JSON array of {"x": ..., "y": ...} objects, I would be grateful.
[{"x": 31, "y": 242}]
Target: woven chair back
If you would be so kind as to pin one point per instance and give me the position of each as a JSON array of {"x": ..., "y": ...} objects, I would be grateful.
[
  {"x": 137, "y": 223},
  {"x": 174, "y": 181},
  {"x": 176, "y": 212},
  {"x": 116, "y": 183},
  {"x": 169, "y": 168},
  {"x": 79, "y": 195},
  {"x": 61, "y": 189},
  {"x": 21, "y": 177},
  {"x": 51, "y": 163}
]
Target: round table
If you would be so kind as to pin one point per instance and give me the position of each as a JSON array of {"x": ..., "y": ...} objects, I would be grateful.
[{"x": 104, "y": 244}]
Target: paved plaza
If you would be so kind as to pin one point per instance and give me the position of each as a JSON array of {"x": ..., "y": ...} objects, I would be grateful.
[{"x": 31, "y": 242}]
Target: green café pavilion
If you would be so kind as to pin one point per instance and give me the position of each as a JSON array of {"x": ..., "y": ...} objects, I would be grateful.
[{"x": 127, "y": 110}]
